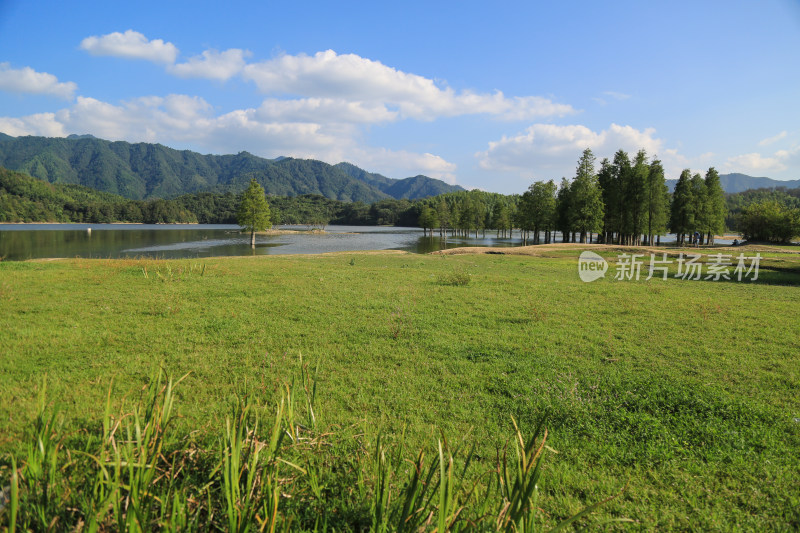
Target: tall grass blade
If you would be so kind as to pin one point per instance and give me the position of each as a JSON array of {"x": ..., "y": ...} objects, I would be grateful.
[{"x": 13, "y": 504}]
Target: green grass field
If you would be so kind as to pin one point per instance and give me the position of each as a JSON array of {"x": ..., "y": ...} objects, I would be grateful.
[{"x": 684, "y": 393}]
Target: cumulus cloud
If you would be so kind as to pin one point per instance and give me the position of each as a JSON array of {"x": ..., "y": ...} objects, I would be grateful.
[
  {"x": 550, "y": 151},
  {"x": 212, "y": 64},
  {"x": 353, "y": 78},
  {"x": 344, "y": 88},
  {"x": 402, "y": 164},
  {"x": 131, "y": 45},
  {"x": 757, "y": 163},
  {"x": 790, "y": 157},
  {"x": 44, "y": 124},
  {"x": 27, "y": 80},
  {"x": 169, "y": 119},
  {"x": 148, "y": 119},
  {"x": 178, "y": 120},
  {"x": 325, "y": 110}
]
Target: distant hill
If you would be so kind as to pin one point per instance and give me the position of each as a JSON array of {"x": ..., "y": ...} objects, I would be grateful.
[
  {"x": 733, "y": 183},
  {"x": 408, "y": 188},
  {"x": 142, "y": 171}
]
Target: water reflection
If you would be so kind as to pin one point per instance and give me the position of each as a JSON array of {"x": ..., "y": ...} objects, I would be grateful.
[
  {"x": 19, "y": 242},
  {"x": 109, "y": 240}
]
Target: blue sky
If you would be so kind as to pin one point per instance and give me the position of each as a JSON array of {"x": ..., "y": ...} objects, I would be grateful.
[{"x": 488, "y": 96}]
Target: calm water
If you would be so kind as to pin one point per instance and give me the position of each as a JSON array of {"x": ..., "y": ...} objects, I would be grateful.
[
  {"x": 172, "y": 241},
  {"x": 169, "y": 241}
]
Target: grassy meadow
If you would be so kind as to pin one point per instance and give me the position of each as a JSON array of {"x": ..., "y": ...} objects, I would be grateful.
[{"x": 679, "y": 399}]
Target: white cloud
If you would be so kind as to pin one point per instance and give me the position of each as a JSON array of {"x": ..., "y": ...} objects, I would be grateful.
[
  {"x": 756, "y": 163},
  {"x": 325, "y": 110},
  {"x": 176, "y": 118},
  {"x": 43, "y": 124},
  {"x": 403, "y": 164},
  {"x": 549, "y": 151},
  {"x": 131, "y": 45},
  {"x": 772, "y": 140},
  {"x": 242, "y": 130},
  {"x": 790, "y": 157},
  {"x": 27, "y": 80},
  {"x": 212, "y": 64},
  {"x": 350, "y": 77}
]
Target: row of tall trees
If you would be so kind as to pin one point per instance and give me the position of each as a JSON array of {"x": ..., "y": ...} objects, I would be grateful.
[
  {"x": 635, "y": 197},
  {"x": 625, "y": 202}
]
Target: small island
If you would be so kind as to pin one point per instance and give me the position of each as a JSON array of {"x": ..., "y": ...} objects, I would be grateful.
[{"x": 285, "y": 231}]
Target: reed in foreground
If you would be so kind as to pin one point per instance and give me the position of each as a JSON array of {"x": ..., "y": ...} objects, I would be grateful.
[{"x": 272, "y": 469}]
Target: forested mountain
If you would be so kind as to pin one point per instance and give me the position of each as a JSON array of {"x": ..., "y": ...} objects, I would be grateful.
[
  {"x": 142, "y": 171},
  {"x": 734, "y": 183}
]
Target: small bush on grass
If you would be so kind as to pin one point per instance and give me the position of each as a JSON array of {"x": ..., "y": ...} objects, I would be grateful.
[{"x": 458, "y": 278}]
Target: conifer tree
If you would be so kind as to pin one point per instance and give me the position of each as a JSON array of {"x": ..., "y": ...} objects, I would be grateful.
[
  {"x": 657, "y": 201},
  {"x": 253, "y": 213},
  {"x": 715, "y": 205},
  {"x": 681, "y": 219},
  {"x": 586, "y": 208}
]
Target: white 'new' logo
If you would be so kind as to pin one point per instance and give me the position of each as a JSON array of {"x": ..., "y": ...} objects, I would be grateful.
[{"x": 591, "y": 266}]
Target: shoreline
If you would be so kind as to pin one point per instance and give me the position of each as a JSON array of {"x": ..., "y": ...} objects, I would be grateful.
[{"x": 533, "y": 250}]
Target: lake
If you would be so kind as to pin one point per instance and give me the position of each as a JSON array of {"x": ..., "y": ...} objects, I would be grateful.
[
  {"x": 174, "y": 241},
  {"x": 171, "y": 241}
]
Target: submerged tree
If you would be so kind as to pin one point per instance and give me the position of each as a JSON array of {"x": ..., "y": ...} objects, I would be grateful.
[
  {"x": 428, "y": 219},
  {"x": 253, "y": 213}
]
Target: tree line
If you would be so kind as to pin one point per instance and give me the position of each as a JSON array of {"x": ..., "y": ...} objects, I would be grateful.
[
  {"x": 624, "y": 202},
  {"x": 27, "y": 199}
]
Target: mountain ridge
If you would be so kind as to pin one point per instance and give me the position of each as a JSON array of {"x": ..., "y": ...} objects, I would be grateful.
[{"x": 141, "y": 171}]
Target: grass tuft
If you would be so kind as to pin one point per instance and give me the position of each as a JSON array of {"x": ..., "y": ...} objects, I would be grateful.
[
  {"x": 458, "y": 278},
  {"x": 134, "y": 473}
]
